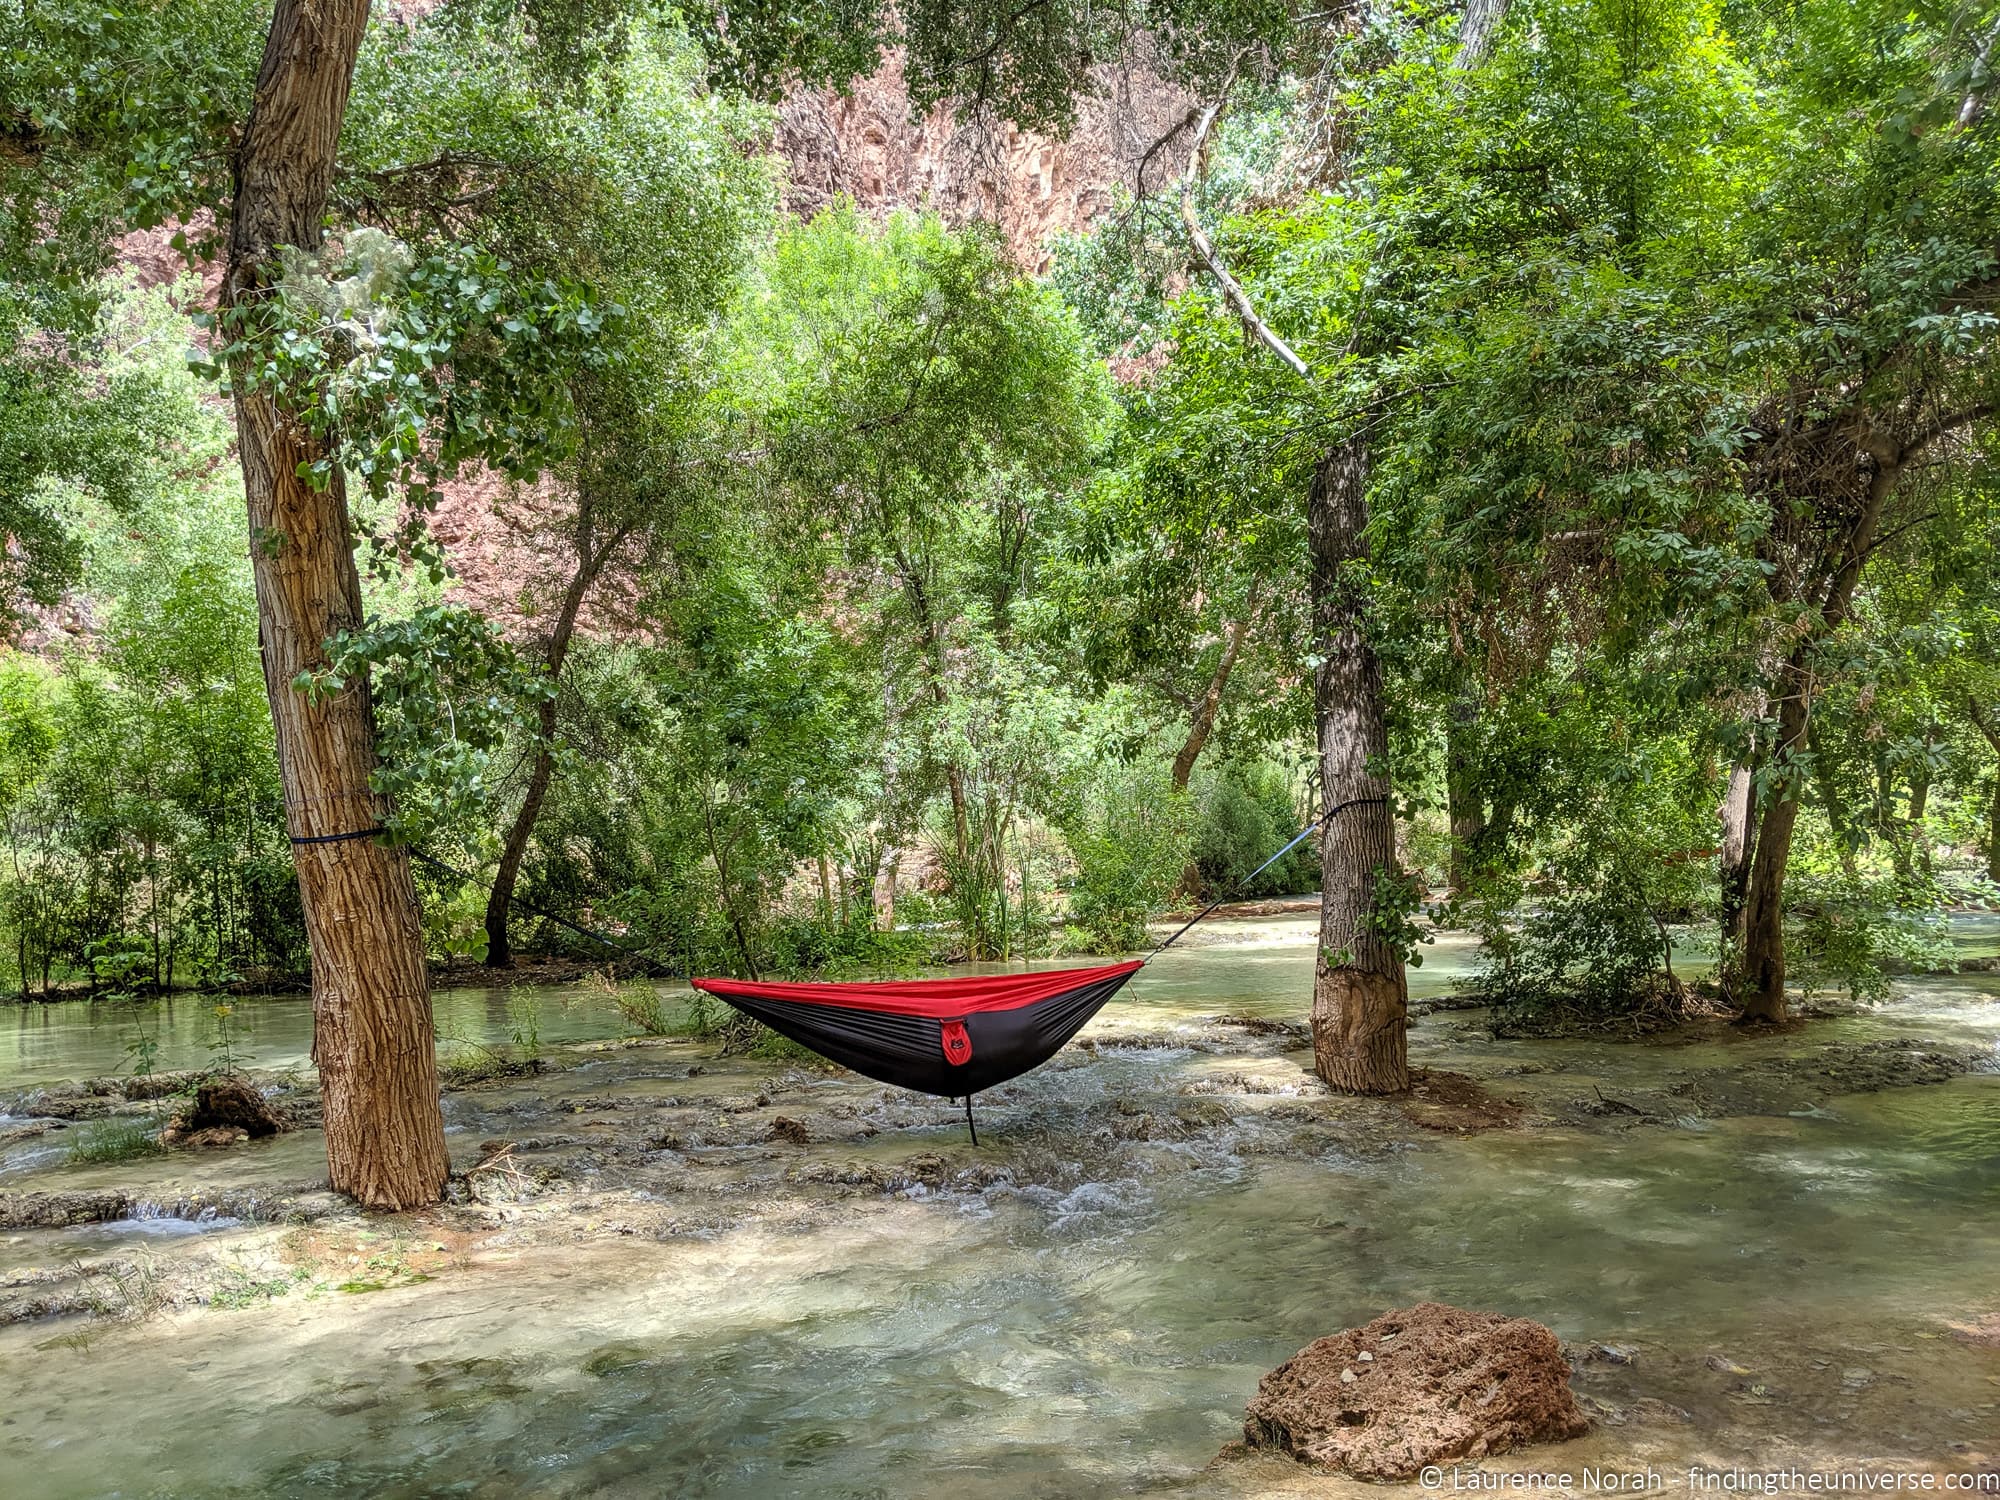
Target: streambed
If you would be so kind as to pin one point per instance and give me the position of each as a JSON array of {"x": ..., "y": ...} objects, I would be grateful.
[{"x": 687, "y": 1275}]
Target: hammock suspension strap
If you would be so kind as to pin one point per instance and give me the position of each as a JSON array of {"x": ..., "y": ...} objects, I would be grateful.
[{"x": 1303, "y": 834}]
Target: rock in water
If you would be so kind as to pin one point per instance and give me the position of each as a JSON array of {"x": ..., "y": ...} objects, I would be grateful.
[
  {"x": 1443, "y": 1384},
  {"x": 227, "y": 1103}
]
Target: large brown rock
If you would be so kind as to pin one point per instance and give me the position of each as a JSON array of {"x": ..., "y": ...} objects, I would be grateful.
[
  {"x": 226, "y": 1104},
  {"x": 1424, "y": 1385}
]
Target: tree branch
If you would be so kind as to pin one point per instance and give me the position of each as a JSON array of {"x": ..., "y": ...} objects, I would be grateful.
[
  {"x": 1950, "y": 422},
  {"x": 1205, "y": 250}
]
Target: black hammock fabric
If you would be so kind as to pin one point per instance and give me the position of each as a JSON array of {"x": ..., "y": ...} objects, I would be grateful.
[{"x": 950, "y": 1037}]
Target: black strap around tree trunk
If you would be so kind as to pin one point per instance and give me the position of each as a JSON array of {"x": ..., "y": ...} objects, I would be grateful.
[{"x": 339, "y": 838}]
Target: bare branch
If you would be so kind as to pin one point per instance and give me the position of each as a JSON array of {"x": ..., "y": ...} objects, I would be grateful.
[
  {"x": 1982, "y": 79},
  {"x": 1475, "y": 31},
  {"x": 1948, "y": 423},
  {"x": 1204, "y": 248}
]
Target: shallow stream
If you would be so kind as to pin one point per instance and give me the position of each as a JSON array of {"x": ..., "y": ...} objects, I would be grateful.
[{"x": 1752, "y": 1262}]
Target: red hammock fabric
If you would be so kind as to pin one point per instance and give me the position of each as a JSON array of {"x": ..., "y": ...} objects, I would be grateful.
[{"x": 942, "y": 1036}]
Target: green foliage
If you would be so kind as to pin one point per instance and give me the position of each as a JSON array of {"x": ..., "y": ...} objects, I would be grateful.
[
  {"x": 1848, "y": 930},
  {"x": 118, "y": 1138},
  {"x": 447, "y": 689},
  {"x": 639, "y": 1006},
  {"x": 140, "y": 793},
  {"x": 1130, "y": 844},
  {"x": 224, "y": 1037},
  {"x": 1012, "y": 62},
  {"x": 524, "y": 1021},
  {"x": 1576, "y": 921},
  {"x": 1249, "y": 813},
  {"x": 894, "y": 581}
]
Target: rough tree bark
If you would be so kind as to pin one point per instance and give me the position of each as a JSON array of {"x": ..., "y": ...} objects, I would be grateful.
[
  {"x": 1360, "y": 1009},
  {"x": 1739, "y": 845},
  {"x": 372, "y": 1031},
  {"x": 1763, "y": 996},
  {"x": 592, "y": 555},
  {"x": 1201, "y": 723}
]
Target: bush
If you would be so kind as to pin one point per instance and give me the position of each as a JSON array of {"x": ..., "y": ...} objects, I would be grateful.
[
  {"x": 639, "y": 1005},
  {"x": 1847, "y": 933},
  {"x": 1130, "y": 846},
  {"x": 1592, "y": 948},
  {"x": 1247, "y": 816}
]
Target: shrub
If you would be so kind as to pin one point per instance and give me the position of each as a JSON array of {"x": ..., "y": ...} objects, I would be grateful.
[
  {"x": 1247, "y": 816},
  {"x": 1130, "y": 845},
  {"x": 639, "y": 1005}
]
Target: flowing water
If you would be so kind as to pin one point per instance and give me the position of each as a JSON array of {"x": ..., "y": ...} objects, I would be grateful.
[{"x": 1080, "y": 1307}]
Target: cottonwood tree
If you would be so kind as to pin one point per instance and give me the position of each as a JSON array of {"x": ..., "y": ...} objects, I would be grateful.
[
  {"x": 925, "y": 403},
  {"x": 1277, "y": 286},
  {"x": 341, "y": 358},
  {"x": 1867, "y": 313},
  {"x": 666, "y": 202}
]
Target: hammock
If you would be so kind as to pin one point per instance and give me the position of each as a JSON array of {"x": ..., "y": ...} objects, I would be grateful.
[
  {"x": 954, "y": 1037},
  {"x": 951, "y": 1037}
]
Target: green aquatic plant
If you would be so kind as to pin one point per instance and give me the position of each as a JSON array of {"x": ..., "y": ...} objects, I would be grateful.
[
  {"x": 119, "y": 1138},
  {"x": 640, "y": 1007},
  {"x": 524, "y": 1021}
]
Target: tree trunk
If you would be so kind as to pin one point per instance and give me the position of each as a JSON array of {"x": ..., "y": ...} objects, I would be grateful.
[
  {"x": 1739, "y": 848},
  {"x": 1202, "y": 722},
  {"x": 1764, "y": 918},
  {"x": 372, "y": 1032},
  {"x": 500, "y": 900},
  {"x": 1360, "y": 1004},
  {"x": 1828, "y": 792},
  {"x": 1463, "y": 805},
  {"x": 932, "y": 634},
  {"x": 883, "y": 894},
  {"x": 1920, "y": 795},
  {"x": 1764, "y": 925}
]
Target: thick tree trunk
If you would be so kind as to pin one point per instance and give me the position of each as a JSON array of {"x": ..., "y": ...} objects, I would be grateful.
[
  {"x": 1764, "y": 918},
  {"x": 1763, "y": 995},
  {"x": 1360, "y": 1004},
  {"x": 372, "y": 1032},
  {"x": 1202, "y": 722}
]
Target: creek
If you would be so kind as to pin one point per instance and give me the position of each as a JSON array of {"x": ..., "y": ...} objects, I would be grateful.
[{"x": 706, "y": 1276}]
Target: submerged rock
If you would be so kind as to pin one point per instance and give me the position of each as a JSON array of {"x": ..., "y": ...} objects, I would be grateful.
[
  {"x": 1456, "y": 1104},
  {"x": 1422, "y": 1385},
  {"x": 222, "y": 1107}
]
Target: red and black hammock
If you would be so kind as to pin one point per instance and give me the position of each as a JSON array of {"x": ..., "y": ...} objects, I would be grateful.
[
  {"x": 954, "y": 1037},
  {"x": 951, "y": 1037}
]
